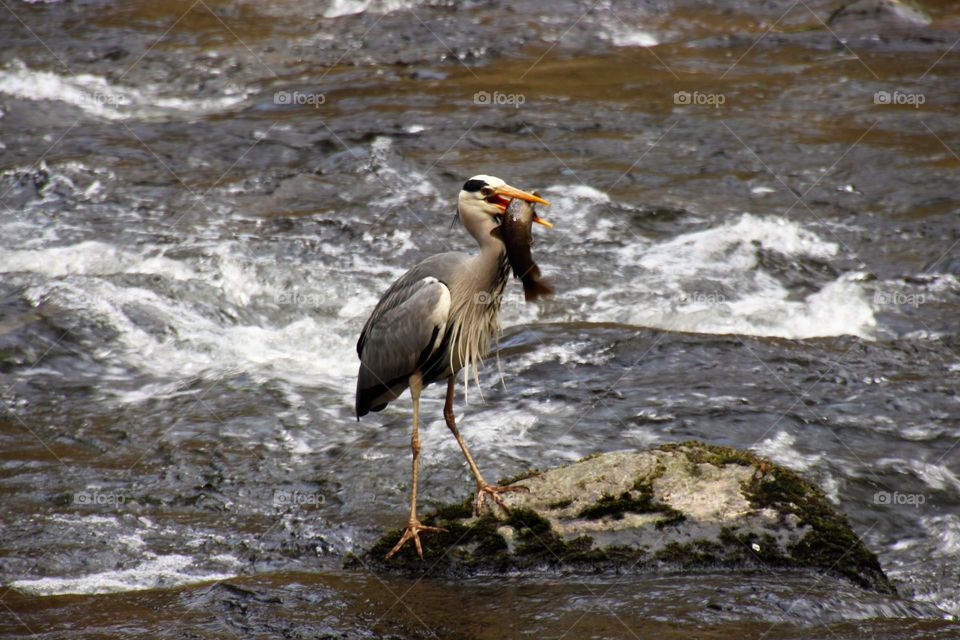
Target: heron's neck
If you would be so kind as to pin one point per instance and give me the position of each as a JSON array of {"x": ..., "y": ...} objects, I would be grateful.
[
  {"x": 475, "y": 303},
  {"x": 492, "y": 250},
  {"x": 482, "y": 231}
]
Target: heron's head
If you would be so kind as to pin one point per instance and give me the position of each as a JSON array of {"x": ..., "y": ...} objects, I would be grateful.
[{"x": 483, "y": 198}]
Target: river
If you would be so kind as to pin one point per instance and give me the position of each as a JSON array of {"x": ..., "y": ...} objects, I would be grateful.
[{"x": 755, "y": 244}]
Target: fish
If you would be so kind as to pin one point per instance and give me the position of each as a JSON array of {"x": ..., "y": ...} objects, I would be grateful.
[{"x": 514, "y": 231}]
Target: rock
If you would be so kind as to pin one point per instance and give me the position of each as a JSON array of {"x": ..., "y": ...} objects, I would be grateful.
[{"x": 683, "y": 506}]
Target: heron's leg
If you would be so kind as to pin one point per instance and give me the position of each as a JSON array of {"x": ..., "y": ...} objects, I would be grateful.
[
  {"x": 413, "y": 524},
  {"x": 483, "y": 488}
]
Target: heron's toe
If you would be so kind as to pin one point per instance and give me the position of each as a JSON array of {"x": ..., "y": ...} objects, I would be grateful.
[
  {"x": 494, "y": 491},
  {"x": 412, "y": 532}
]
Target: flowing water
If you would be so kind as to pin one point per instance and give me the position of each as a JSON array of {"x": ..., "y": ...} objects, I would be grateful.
[{"x": 756, "y": 245}]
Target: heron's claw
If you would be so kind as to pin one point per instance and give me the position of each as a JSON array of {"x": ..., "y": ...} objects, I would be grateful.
[
  {"x": 494, "y": 491},
  {"x": 412, "y": 531}
]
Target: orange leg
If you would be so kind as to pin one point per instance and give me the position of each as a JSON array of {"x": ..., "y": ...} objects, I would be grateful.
[
  {"x": 413, "y": 528},
  {"x": 483, "y": 488}
]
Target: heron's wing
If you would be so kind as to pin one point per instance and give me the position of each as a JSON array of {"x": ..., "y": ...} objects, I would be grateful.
[
  {"x": 441, "y": 267},
  {"x": 402, "y": 332}
]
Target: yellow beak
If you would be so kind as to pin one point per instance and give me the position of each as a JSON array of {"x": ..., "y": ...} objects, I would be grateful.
[
  {"x": 542, "y": 221},
  {"x": 513, "y": 192},
  {"x": 506, "y": 193}
]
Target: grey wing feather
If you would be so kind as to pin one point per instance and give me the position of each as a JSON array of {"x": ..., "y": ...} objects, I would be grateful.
[{"x": 404, "y": 328}]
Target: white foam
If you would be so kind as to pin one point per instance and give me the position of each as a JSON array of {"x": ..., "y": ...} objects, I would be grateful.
[
  {"x": 99, "y": 97},
  {"x": 567, "y": 353},
  {"x": 781, "y": 448},
  {"x": 581, "y": 191},
  {"x": 304, "y": 351},
  {"x": 338, "y": 8},
  {"x": 307, "y": 350},
  {"x": 158, "y": 572},
  {"x": 580, "y": 210},
  {"x": 624, "y": 35},
  {"x": 482, "y": 424},
  {"x": 634, "y": 38},
  {"x": 90, "y": 258},
  {"x": 712, "y": 246},
  {"x": 400, "y": 184},
  {"x": 945, "y": 529},
  {"x": 936, "y": 476},
  {"x": 710, "y": 282}
]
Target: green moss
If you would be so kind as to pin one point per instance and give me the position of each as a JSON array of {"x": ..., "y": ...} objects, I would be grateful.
[
  {"x": 560, "y": 504},
  {"x": 616, "y": 506},
  {"x": 590, "y": 456},
  {"x": 697, "y": 552},
  {"x": 638, "y": 500},
  {"x": 464, "y": 544},
  {"x": 476, "y": 544},
  {"x": 714, "y": 454},
  {"x": 456, "y": 511},
  {"x": 646, "y": 481},
  {"x": 672, "y": 518},
  {"x": 528, "y": 523},
  {"x": 536, "y": 541},
  {"x": 751, "y": 546},
  {"x": 831, "y": 543}
]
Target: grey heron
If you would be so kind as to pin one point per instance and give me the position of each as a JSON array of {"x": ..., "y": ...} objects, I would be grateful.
[{"x": 435, "y": 320}]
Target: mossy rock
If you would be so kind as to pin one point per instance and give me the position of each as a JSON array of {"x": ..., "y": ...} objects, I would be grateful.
[{"x": 677, "y": 507}]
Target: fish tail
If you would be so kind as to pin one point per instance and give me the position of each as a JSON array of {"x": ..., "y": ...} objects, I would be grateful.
[{"x": 533, "y": 289}]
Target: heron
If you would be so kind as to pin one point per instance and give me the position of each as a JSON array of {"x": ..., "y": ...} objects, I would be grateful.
[{"x": 433, "y": 321}]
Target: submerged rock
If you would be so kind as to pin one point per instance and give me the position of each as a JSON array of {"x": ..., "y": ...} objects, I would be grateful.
[{"x": 677, "y": 507}]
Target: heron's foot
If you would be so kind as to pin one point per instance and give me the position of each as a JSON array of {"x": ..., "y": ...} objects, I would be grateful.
[
  {"x": 412, "y": 532},
  {"x": 494, "y": 491}
]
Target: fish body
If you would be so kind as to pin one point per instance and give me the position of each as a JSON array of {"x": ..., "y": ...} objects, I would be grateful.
[{"x": 515, "y": 231}]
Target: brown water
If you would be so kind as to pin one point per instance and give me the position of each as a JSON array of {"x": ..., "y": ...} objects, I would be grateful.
[{"x": 751, "y": 248}]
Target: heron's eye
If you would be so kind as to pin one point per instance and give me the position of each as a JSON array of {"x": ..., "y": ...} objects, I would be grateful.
[{"x": 486, "y": 192}]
